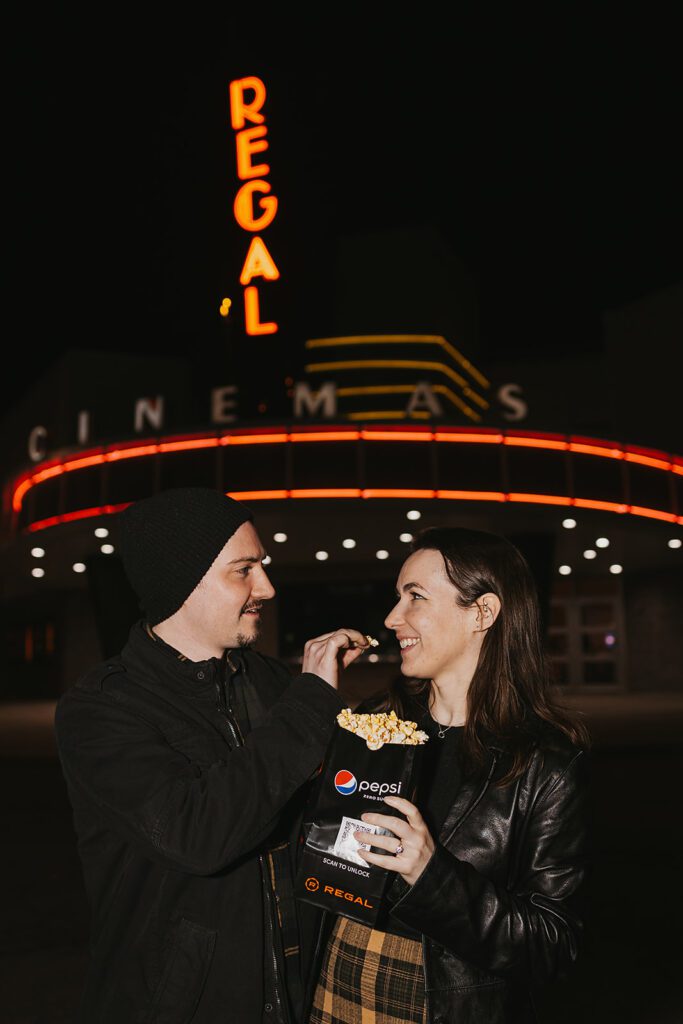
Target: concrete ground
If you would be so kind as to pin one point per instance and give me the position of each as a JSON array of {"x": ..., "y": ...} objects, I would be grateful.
[{"x": 630, "y": 971}]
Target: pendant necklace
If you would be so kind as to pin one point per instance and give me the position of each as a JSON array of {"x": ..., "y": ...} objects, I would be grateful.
[{"x": 442, "y": 729}]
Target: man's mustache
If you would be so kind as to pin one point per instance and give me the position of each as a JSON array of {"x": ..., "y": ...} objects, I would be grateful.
[{"x": 252, "y": 608}]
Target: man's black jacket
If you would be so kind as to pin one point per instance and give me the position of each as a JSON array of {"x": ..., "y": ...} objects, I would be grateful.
[{"x": 176, "y": 814}]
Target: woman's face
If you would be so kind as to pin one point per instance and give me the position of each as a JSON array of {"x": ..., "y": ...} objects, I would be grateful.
[{"x": 436, "y": 635}]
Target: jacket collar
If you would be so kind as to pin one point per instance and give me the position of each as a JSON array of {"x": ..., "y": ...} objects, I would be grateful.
[{"x": 159, "y": 662}]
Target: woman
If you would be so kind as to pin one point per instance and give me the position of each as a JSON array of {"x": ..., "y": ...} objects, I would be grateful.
[{"x": 488, "y": 863}]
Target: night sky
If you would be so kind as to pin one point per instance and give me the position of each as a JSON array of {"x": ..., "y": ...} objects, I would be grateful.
[{"x": 547, "y": 154}]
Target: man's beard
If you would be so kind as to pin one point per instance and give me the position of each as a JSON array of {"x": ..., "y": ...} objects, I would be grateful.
[
  {"x": 247, "y": 641},
  {"x": 243, "y": 640}
]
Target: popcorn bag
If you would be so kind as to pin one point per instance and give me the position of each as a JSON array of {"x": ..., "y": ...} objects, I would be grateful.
[{"x": 369, "y": 757}]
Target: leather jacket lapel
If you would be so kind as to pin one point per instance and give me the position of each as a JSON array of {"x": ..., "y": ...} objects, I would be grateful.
[{"x": 469, "y": 795}]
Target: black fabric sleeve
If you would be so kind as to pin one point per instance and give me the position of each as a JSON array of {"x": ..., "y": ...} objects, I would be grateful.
[{"x": 197, "y": 818}]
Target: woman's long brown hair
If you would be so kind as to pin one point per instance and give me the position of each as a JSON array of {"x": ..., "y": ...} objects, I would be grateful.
[{"x": 511, "y": 682}]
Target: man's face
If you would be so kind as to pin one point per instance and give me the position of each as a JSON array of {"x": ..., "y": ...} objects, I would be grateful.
[{"x": 223, "y": 609}]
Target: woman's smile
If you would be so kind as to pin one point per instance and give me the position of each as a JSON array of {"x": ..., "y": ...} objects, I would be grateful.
[{"x": 408, "y": 642}]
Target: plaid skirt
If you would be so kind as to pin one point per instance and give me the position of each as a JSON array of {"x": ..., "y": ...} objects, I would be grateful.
[{"x": 369, "y": 977}]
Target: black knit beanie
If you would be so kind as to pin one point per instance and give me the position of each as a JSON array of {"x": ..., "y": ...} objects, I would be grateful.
[{"x": 169, "y": 541}]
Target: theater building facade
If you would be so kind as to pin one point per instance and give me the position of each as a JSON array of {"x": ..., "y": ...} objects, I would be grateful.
[{"x": 345, "y": 442}]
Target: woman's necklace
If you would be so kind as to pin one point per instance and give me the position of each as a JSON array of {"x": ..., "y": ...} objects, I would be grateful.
[{"x": 443, "y": 729}]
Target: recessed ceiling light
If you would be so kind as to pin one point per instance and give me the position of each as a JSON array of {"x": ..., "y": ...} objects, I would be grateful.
[
  {"x": 564, "y": 570},
  {"x": 38, "y": 552},
  {"x": 616, "y": 569},
  {"x": 381, "y": 554},
  {"x": 267, "y": 560},
  {"x": 602, "y": 542},
  {"x": 413, "y": 514},
  {"x": 322, "y": 556},
  {"x": 280, "y": 538},
  {"x": 405, "y": 537},
  {"x": 107, "y": 549},
  {"x": 78, "y": 567},
  {"x": 675, "y": 542},
  {"x": 349, "y": 543},
  {"x": 37, "y": 572},
  {"x": 101, "y": 532},
  {"x": 590, "y": 553},
  {"x": 373, "y": 657},
  {"x": 569, "y": 524}
]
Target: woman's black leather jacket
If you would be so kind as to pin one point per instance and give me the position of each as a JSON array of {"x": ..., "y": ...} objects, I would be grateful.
[{"x": 499, "y": 904}]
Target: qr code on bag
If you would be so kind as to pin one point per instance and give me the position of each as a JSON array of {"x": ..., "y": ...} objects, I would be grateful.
[{"x": 346, "y": 847}]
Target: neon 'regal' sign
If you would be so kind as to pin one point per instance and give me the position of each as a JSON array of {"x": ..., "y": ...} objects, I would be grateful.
[{"x": 254, "y": 206}]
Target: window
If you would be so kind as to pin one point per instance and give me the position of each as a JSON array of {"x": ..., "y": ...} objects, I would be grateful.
[{"x": 585, "y": 638}]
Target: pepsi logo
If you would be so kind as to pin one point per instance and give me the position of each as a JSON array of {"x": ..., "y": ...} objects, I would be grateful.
[{"x": 345, "y": 782}]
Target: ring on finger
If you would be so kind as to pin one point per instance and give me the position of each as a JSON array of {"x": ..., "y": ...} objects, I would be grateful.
[{"x": 399, "y": 850}]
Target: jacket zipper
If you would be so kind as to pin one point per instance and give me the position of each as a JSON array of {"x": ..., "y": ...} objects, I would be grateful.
[
  {"x": 227, "y": 714},
  {"x": 276, "y": 969},
  {"x": 226, "y": 711}
]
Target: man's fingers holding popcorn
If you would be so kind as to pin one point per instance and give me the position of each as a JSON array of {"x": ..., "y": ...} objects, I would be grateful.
[{"x": 322, "y": 654}]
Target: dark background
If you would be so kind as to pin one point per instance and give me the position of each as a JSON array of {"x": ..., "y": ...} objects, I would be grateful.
[{"x": 543, "y": 147}]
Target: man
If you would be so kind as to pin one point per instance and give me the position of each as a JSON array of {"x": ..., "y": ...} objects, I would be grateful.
[{"x": 186, "y": 759}]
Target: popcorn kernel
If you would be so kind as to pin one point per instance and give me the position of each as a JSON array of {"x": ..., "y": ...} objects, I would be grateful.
[{"x": 380, "y": 728}]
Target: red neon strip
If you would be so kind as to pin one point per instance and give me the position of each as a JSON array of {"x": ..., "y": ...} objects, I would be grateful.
[
  {"x": 47, "y": 474},
  {"x": 540, "y": 435},
  {"x": 254, "y": 438},
  {"x": 278, "y": 495},
  {"x": 84, "y": 463},
  {"x": 602, "y": 506},
  {"x": 465, "y": 438},
  {"x": 653, "y": 513},
  {"x": 132, "y": 453},
  {"x": 331, "y": 435},
  {"x": 394, "y": 492},
  {"x": 471, "y": 495},
  {"x": 588, "y": 446},
  {"x": 541, "y": 499},
  {"x": 596, "y": 449},
  {"x": 647, "y": 460},
  {"x": 18, "y": 497},
  {"x": 69, "y": 517},
  {"x": 397, "y": 435},
  {"x": 532, "y": 442},
  {"x": 257, "y": 495},
  {"x": 326, "y": 492},
  {"x": 185, "y": 446}
]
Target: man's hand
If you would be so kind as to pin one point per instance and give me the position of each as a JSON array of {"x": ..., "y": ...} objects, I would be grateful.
[{"x": 324, "y": 654}]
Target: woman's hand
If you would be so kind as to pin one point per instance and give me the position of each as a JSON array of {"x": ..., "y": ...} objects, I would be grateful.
[
  {"x": 413, "y": 836},
  {"x": 322, "y": 654}
]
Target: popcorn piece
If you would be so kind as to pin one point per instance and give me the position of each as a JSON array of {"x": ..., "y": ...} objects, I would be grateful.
[{"x": 380, "y": 728}]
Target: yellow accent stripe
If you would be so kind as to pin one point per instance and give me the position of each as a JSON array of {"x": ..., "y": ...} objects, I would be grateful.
[
  {"x": 378, "y": 389},
  {"x": 403, "y": 339},
  {"x": 387, "y": 364},
  {"x": 390, "y": 414},
  {"x": 409, "y": 364},
  {"x": 443, "y": 389}
]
